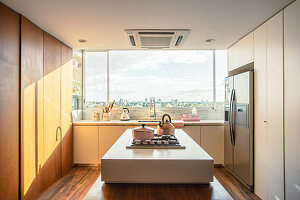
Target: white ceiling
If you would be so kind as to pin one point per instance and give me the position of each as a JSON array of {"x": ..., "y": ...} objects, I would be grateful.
[{"x": 102, "y": 22}]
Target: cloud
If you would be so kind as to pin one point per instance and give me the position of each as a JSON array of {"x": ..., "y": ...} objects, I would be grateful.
[{"x": 124, "y": 61}]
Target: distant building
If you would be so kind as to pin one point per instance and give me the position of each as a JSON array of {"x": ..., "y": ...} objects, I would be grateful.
[{"x": 175, "y": 102}]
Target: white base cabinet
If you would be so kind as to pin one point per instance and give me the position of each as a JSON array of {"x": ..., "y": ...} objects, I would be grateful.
[
  {"x": 86, "y": 144},
  {"x": 92, "y": 142},
  {"x": 212, "y": 141},
  {"x": 194, "y": 132},
  {"x": 108, "y": 135}
]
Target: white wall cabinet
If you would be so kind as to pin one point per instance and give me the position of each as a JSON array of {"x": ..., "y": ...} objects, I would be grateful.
[
  {"x": 212, "y": 141},
  {"x": 241, "y": 53},
  {"x": 86, "y": 144},
  {"x": 268, "y": 88},
  {"x": 260, "y": 114},
  {"x": 275, "y": 106},
  {"x": 292, "y": 99}
]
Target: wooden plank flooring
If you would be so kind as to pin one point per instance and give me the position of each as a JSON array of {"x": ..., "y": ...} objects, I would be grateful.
[{"x": 85, "y": 183}]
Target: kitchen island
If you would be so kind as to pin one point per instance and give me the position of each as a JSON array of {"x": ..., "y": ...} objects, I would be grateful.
[{"x": 190, "y": 165}]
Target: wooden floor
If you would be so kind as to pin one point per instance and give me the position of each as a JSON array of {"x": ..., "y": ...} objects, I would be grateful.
[{"x": 85, "y": 183}]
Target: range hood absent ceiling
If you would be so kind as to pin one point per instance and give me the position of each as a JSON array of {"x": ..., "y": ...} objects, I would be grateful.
[{"x": 156, "y": 38}]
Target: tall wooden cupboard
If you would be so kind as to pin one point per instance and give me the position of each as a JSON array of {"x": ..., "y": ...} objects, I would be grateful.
[
  {"x": 31, "y": 108},
  {"x": 46, "y": 106},
  {"x": 57, "y": 101},
  {"x": 9, "y": 102}
]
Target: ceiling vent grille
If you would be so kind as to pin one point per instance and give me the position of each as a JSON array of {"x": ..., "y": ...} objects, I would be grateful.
[{"x": 156, "y": 38}]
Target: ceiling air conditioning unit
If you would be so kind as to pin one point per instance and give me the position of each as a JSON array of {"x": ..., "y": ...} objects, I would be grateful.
[{"x": 156, "y": 38}]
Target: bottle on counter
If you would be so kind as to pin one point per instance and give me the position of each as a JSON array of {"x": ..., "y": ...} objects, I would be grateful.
[{"x": 194, "y": 113}]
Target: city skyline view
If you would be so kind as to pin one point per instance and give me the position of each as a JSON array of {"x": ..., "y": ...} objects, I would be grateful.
[{"x": 136, "y": 75}]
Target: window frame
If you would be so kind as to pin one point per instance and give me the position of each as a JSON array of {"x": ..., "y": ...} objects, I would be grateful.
[{"x": 108, "y": 74}]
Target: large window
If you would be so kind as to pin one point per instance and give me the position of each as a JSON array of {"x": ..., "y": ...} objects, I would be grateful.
[
  {"x": 175, "y": 78},
  {"x": 95, "y": 79}
]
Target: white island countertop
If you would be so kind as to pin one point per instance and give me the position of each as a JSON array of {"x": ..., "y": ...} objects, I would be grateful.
[
  {"x": 190, "y": 165},
  {"x": 137, "y": 123}
]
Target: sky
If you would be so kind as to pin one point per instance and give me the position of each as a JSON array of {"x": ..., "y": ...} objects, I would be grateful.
[{"x": 134, "y": 75}]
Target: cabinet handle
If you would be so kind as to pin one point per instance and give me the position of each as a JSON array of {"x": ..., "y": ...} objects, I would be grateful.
[
  {"x": 57, "y": 131},
  {"x": 265, "y": 121}
]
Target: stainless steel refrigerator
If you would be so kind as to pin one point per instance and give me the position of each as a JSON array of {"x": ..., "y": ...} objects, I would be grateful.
[{"x": 238, "y": 138}]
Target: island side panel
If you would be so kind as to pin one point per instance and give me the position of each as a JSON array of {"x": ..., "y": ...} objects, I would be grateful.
[{"x": 157, "y": 171}]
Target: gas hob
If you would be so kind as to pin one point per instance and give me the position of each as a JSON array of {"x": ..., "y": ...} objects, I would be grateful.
[{"x": 157, "y": 142}]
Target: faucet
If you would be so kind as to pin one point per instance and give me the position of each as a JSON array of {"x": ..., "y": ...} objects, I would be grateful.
[{"x": 152, "y": 103}]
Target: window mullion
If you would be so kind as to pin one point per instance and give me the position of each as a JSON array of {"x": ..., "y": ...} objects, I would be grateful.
[
  {"x": 214, "y": 77},
  {"x": 107, "y": 77}
]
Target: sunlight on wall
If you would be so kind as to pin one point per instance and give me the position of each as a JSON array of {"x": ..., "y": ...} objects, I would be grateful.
[
  {"x": 29, "y": 136},
  {"x": 66, "y": 96},
  {"x": 51, "y": 112}
]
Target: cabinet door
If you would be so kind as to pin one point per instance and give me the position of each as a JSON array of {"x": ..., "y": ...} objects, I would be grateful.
[
  {"x": 52, "y": 134},
  {"x": 66, "y": 109},
  {"x": 241, "y": 53},
  {"x": 128, "y": 127},
  {"x": 86, "y": 144},
  {"x": 260, "y": 112},
  {"x": 108, "y": 135},
  {"x": 193, "y": 132},
  {"x": 212, "y": 141},
  {"x": 31, "y": 107},
  {"x": 275, "y": 106},
  {"x": 9, "y": 102},
  {"x": 292, "y": 99}
]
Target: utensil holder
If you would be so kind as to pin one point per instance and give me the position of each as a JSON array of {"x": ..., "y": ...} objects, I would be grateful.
[{"x": 105, "y": 116}]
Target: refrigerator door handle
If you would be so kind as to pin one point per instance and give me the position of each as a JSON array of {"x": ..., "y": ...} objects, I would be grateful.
[
  {"x": 230, "y": 116},
  {"x": 233, "y": 116}
]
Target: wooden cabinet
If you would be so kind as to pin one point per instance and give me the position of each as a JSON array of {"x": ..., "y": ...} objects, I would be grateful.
[
  {"x": 241, "y": 53},
  {"x": 52, "y": 170},
  {"x": 31, "y": 108},
  {"x": 9, "y": 102},
  {"x": 268, "y": 65},
  {"x": 108, "y": 135},
  {"x": 193, "y": 132},
  {"x": 212, "y": 141},
  {"x": 260, "y": 114},
  {"x": 292, "y": 99},
  {"x": 86, "y": 140},
  {"x": 66, "y": 109}
]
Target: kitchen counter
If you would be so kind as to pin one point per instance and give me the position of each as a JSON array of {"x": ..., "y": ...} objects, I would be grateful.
[
  {"x": 136, "y": 123},
  {"x": 190, "y": 165}
]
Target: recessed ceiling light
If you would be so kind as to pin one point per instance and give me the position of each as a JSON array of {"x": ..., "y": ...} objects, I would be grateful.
[
  {"x": 210, "y": 40},
  {"x": 82, "y": 40}
]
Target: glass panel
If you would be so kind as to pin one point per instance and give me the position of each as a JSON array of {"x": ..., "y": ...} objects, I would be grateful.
[
  {"x": 221, "y": 73},
  {"x": 175, "y": 78},
  {"x": 96, "y": 79},
  {"x": 77, "y": 80}
]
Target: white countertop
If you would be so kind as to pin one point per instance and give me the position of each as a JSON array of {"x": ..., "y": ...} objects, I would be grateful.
[
  {"x": 192, "y": 152},
  {"x": 136, "y": 123}
]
